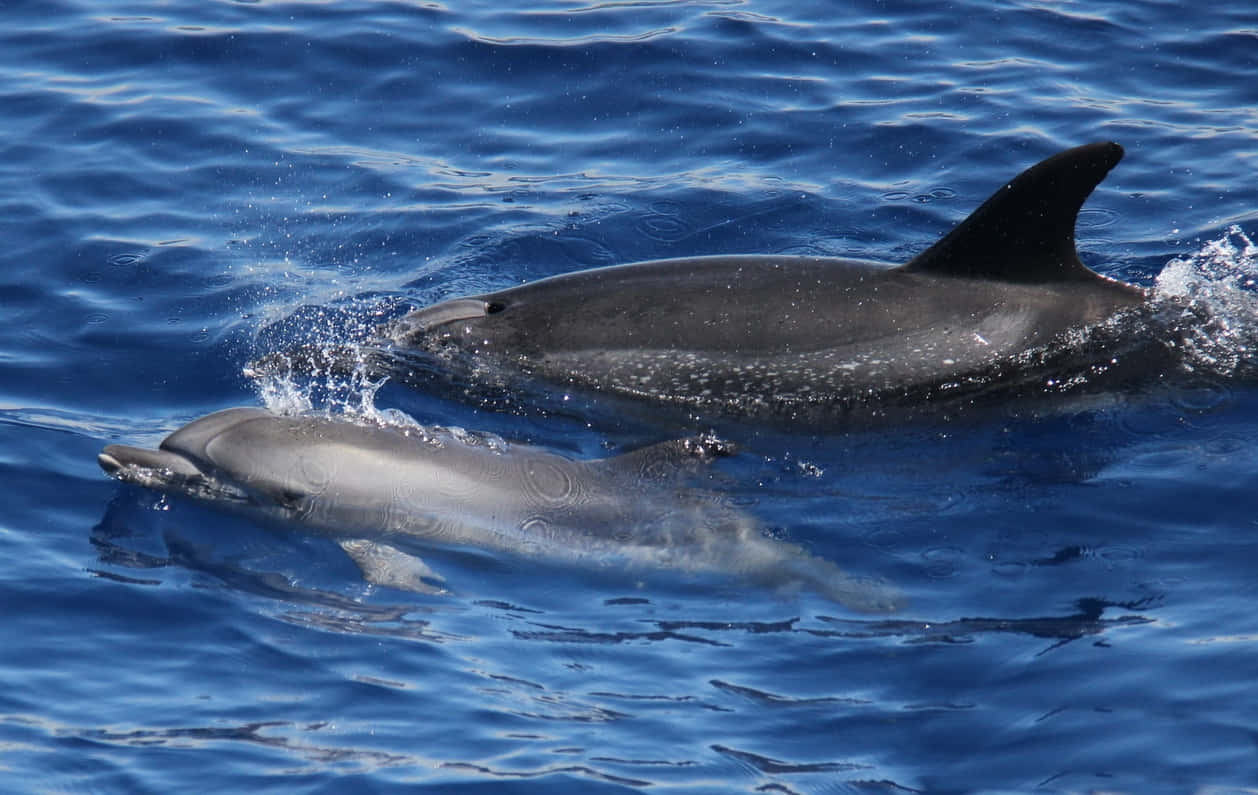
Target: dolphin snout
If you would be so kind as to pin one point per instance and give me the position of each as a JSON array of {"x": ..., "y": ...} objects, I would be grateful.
[
  {"x": 120, "y": 461},
  {"x": 429, "y": 318}
]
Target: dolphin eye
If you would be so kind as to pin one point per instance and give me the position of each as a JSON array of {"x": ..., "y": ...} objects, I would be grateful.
[
  {"x": 289, "y": 498},
  {"x": 494, "y": 307}
]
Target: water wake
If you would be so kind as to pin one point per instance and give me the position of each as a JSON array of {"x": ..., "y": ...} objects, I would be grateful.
[{"x": 1209, "y": 300}]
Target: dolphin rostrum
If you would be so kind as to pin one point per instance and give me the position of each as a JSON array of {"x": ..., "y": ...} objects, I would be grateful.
[
  {"x": 377, "y": 487},
  {"x": 1000, "y": 306}
]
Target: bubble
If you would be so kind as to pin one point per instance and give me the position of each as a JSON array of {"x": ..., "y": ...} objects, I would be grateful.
[
  {"x": 1089, "y": 219},
  {"x": 1118, "y": 554},
  {"x": 1201, "y": 395},
  {"x": 1010, "y": 568},
  {"x": 547, "y": 481},
  {"x": 943, "y": 562},
  {"x": 124, "y": 259},
  {"x": 663, "y": 228}
]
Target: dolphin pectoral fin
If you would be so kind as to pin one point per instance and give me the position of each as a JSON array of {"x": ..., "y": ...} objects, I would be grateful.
[
  {"x": 666, "y": 461},
  {"x": 1025, "y": 232},
  {"x": 382, "y": 564}
]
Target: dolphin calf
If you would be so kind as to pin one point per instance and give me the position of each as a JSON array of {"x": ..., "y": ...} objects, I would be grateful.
[
  {"x": 382, "y": 489},
  {"x": 999, "y": 306}
]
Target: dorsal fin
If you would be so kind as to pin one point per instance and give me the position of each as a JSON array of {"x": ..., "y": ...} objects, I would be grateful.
[{"x": 1026, "y": 231}]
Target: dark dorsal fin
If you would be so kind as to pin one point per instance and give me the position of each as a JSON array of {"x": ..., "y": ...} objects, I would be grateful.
[{"x": 1026, "y": 231}]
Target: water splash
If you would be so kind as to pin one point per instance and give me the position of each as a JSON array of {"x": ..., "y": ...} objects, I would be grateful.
[
  {"x": 327, "y": 367},
  {"x": 1210, "y": 298},
  {"x": 281, "y": 393},
  {"x": 323, "y": 363},
  {"x": 332, "y": 376}
]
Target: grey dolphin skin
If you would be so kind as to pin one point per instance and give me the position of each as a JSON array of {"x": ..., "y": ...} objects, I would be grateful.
[
  {"x": 1000, "y": 306},
  {"x": 376, "y": 488}
]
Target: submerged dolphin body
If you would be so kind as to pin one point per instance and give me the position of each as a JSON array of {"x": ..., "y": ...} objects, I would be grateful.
[
  {"x": 377, "y": 486},
  {"x": 1000, "y": 306}
]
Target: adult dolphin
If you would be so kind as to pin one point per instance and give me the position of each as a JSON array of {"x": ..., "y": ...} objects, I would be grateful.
[
  {"x": 378, "y": 488},
  {"x": 1000, "y": 306}
]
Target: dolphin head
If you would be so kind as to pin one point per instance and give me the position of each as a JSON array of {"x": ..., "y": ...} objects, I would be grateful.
[{"x": 225, "y": 457}]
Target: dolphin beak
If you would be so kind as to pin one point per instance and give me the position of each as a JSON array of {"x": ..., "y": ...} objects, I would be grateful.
[
  {"x": 109, "y": 463},
  {"x": 137, "y": 465},
  {"x": 425, "y": 320}
]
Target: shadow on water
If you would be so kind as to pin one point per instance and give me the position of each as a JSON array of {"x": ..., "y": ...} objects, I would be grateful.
[
  {"x": 281, "y": 736},
  {"x": 236, "y": 565},
  {"x": 724, "y": 645},
  {"x": 241, "y": 560},
  {"x": 1087, "y": 621}
]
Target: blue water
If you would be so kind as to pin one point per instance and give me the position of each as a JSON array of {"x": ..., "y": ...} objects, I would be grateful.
[{"x": 186, "y": 186}]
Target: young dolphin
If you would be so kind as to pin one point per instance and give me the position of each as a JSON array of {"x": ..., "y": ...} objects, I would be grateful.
[
  {"x": 1000, "y": 306},
  {"x": 374, "y": 487}
]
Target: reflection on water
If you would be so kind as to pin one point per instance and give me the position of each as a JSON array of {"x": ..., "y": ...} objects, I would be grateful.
[
  {"x": 1064, "y": 629},
  {"x": 332, "y": 611},
  {"x": 729, "y": 669}
]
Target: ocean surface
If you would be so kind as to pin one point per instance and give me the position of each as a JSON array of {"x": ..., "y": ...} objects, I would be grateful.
[{"x": 187, "y": 186}]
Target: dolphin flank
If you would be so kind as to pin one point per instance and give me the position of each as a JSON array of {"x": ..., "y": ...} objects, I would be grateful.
[
  {"x": 376, "y": 488},
  {"x": 999, "y": 307}
]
